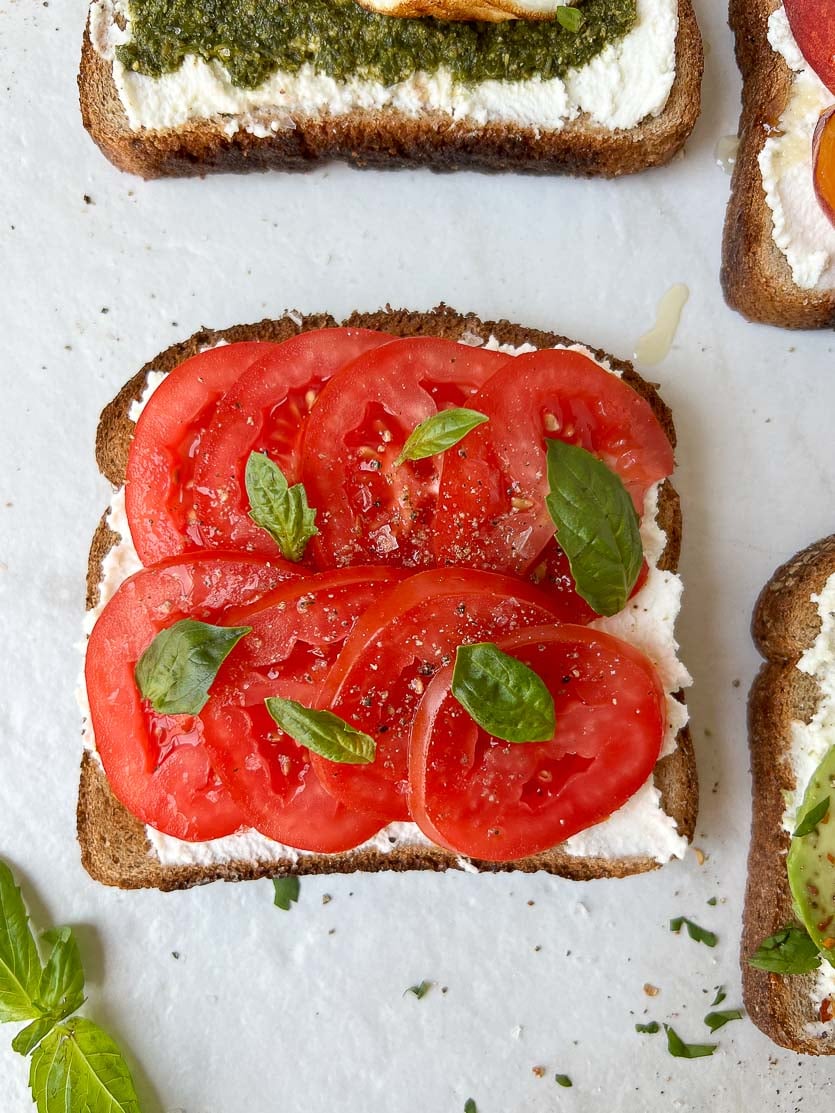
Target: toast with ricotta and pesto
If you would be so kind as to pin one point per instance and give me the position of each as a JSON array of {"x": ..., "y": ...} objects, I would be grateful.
[
  {"x": 656, "y": 819},
  {"x": 788, "y": 978},
  {"x": 778, "y": 257},
  {"x": 166, "y": 91}
]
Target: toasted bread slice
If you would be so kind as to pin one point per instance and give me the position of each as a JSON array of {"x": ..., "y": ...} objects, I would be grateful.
[
  {"x": 390, "y": 138},
  {"x": 114, "y": 847},
  {"x": 786, "y": 623},
  {"x": 756, "y": 276}
]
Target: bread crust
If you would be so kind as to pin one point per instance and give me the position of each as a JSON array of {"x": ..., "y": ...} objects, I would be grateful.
[
  {"x": 114, "y": 847},
  {"x": 785, "y": 624},
  {"x": 390, "y": 139},
  {"x": 756, "y": 276}
]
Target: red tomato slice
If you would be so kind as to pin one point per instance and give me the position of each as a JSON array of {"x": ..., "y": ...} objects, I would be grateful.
[
  {"x": 370, "y": 510},
  {"x": 552, "y": 572},
  {"x": 498, "y": 801},
  {"x": 266, "y": 411},
  {"x": 813, "y": 26},
  {"x": 297, "y": 631},
  {"x": 491, "y": 507},
  {"x": 159, "y": 495},
  {"x": 157, "y": 764},
  {"x": 392, "y": 652}
]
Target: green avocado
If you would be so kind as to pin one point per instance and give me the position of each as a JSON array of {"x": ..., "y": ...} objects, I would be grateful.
[
  {"x": 254, "y": 38},
  {"x": 811, "y": 860}
]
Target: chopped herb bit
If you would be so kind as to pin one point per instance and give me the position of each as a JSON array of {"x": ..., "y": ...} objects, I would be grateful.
[
  {"x": 720, "y": 996},
  {"x": 570, "y": 18},
  {"x": 286, "y": 892},
  {"x": 419, "y": 990},
  {"x": 790, "y": 951},
  {"x": 700, "y": 934},
  {"x": 470, "y": 1106},
  {"x": 811, "y": 819},
  {"x": 681, "y": 1050},
  {"x": 712, "y": 902},
  {"x": 715, "y": 1021},
  {"x": 650, "y": 1029},
  {"x": 563, "y": 1080}
]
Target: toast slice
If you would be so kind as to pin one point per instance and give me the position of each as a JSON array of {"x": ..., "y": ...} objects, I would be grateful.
[
  {"x": 114, "y": 846},
  {"x": 756, "y": 276},
  {"x": 388, "y": 137},
  {"x": 785, "y": 624}
]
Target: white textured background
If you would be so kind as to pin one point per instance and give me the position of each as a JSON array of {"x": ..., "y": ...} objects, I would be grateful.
[{"x": 303, "y": 1012}]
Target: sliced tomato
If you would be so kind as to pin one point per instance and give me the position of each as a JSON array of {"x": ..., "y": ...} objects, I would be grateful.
[
  {"x": 551, "y": 571},
  {"x": 266, "y": 411},
  {"x": 297, "y": 631},
  {"x": 392, "y": 653},
  {"x": 371, "y": 510},
  {"x": 491, "y": 508},
  {"x": 157, "y": 765},
  {"x": 159, "y": 495},
  {"x": 498, "y": 801}
]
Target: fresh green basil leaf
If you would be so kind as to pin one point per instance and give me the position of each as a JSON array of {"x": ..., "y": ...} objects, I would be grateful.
[
  {"x": 286, "y": 891},
  {"x": 563, "y": 1080},
  {"x": 569, "y": 18},
  {"x": 278, "y": 508},
  {"x": 789, "y": 951},
  {"x": 470, "y": 1106},
  {"x": 717, "y": 1020},
  {"x": 719, "y": 998},
  {"x": 322, "y": 732},
  {"x": 681, "y": 1050},
  {"x": 504, "y": 696},
  {"x": 811, "y": 819},
  {"x": 649, "y": 1029},
  {"x": 180, "y": 665},
  {"x": 20, "y": 964},
  {"x": 61, "y": 989},
  {"x": 440, "y": 432},
  {"x": 78, "y": 1068},
  {"x": 700, "y": 934},
  {"x": 420, "y": 990},
  {"x": 597, "y": 527},
  {"x": 29, "y": 1037}
]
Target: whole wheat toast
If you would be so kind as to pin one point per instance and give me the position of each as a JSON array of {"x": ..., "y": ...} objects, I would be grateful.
[
  {"x": 114, "y": 847},
  {"x": 785, "y": 624},
  {"x": 756, "y": 276},
  {"x": 388, "y": 138}
]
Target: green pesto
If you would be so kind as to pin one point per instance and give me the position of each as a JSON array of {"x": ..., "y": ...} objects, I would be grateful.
[{"x": 254, "y": 38}]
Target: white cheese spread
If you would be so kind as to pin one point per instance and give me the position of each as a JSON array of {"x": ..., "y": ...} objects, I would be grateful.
[
  {"x": 628, "y": 81},
  {"x": 801, "y": 228},
  {"x": 639, "y": 828}
]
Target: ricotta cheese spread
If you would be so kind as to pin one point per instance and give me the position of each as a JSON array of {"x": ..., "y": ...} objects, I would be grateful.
[
  {"x": 640, "y": 828},
  {"x": 628, "y": 81},
  {"x": 801, "y": 229}
]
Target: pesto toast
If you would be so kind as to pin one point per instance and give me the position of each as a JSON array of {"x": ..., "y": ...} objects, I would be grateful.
[
  {"x": 619, "y": 95},
  {"x": 118, "y": 850}
]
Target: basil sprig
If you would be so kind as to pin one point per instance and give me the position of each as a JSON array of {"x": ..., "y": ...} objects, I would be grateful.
[
  {"x": 322, "y": 732},
  {"x": 439, "y": 432},
  {"x": 811, "y": 819},
  {"x": 278, "y": 508},
  {"x": 789, "y": 951},
  {"x": 597, "y": 527},
  {"x": 503, "y": 695},
  {"x": 180, "y": 665},
  {"x": 75, "y": 1066},
  {"x": 569, "y": 18}
]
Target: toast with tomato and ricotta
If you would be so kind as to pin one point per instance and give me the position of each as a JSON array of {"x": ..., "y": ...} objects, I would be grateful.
[
  {"x": 778, "y": 258},
  {"x": 340, "y": 618},
  {"x": 615, "y": 88}
]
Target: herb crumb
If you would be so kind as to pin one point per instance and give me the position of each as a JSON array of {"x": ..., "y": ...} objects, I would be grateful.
[{"x": 563, "y": 1080}]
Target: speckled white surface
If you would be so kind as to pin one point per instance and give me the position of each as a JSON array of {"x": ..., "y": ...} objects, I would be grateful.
[{"x": 266, "y": 1011}]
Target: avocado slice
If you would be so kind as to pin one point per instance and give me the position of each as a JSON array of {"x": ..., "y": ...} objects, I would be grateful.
[{"x": 811, "y": 859}]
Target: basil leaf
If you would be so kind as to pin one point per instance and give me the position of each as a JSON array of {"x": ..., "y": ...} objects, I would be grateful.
[
  {"x": 470, "y": 1106},
  {"x": 61, "y": 989},
  {"x": 29, "y": 1037},
  {"x": 789, "y": 951},
  {"x": 715, "y": 1021},
  {"x": 78, "y": 1068},
  {"x": 278, "y": 508},
  {"x": 20, "y": 964},
  {"x": 649, "y": 1029},
  {"x": 681, "y": 1050},
  {"x": 440, "y": 432},
  {"x": 504, "y": 696},
  {"x": 286, "y": 891},
  {"x": 700, "y": 934},
  {"x": 322, "y": 732},
  {"x": 563, "y": 1080},
  {"x": 180, "y": 665},
  {"x": 597, "y": 527},
  {"x": 811, "y": 819},
  {"x": 570, "y": 18},
  {"x": 719, "y": 998},
  {"x": 419, "y": 990}
]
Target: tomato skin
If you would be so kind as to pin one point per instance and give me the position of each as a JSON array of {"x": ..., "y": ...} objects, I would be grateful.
[
  {"x": 385, "y": 664},
  {"x": 372, "y": 510},
  {"x": 491, "y": 507},
  {"x": 297, "y": 631},
  {"x": 266, "y": 410},
  {"x": 500, "y": 801},
  {"x": 159, "y": 492},
  {"x": 157, "y": 765}
]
